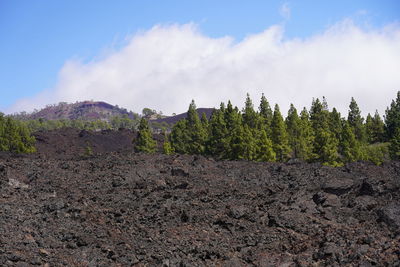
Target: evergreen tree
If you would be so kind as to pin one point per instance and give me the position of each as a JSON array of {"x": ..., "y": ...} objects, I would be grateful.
[
  {"x": 325, "y": 142},
  {"x": 243, "y": 144},
  {"x": 197, "y": 134},
  {"x": 349, "y": 145},
  {"x": 26, "y": 140},
  {"x": 218, "y": 144},
  {"x": 306, "y": 141},
  {"x": 266, "y": 114},
  {"x": 335, "y": 123},
  {"x": 15, "y": 136},
  {"x": 392, "y": 118},
  {"x": 394, "y": 147},
  {"x": 264, "y": 150},
  {"x": 180, "y": 137},
  {"x": 204, "y": 121},
  {"x": 249, "y": 144},
  {"x": 232, "y": 117},
  {"x": 293, "y": 129},
  {"x": 249, "y": 114},
  {"x": 145, "y": 142},
  {"x": 326, "y": 147},
  {"x": 375, "y": 128},
  {"x": 167, "y": 147},
  {"x": 11, "y": 135},
  {"x": 280, "y": 141},
  {"x": 3, "y": 139},
  {"x": 356, "y": 121},
  {"x": 318, "y": 114}
]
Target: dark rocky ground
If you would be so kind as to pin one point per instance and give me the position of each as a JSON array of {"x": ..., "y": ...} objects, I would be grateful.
[{"x": 128, "y": 209}]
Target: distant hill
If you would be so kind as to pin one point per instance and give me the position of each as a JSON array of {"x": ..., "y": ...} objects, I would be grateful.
[
  {"x": 86, "y": 110},
  {"x": 98, "y": 110},
  {"x": 174, "y": 119}
]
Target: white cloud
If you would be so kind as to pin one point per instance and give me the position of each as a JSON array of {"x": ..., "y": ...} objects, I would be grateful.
[
  {"x": 285, "y": 11},
  {"x": 167, "y": 66}
]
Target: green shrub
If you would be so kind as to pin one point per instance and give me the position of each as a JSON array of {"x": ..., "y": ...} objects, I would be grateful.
[{"x": 376, "y": 153}]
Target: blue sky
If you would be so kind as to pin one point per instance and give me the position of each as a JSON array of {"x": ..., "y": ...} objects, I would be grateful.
[{"x": 38, "y": 37}]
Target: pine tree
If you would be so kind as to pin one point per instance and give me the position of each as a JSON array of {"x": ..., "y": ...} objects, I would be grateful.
[
  {"x": 392, "y": 118},
  {"x": 318, "y": 114},
  {"x": 306, "y": 142},
  {"x": 204, "y": 121},
  {"x": 15, "y": 136},
  {"x": 3, "y": 140},
  {"x": 26, "y": 140},
  {"x": 325, "y": 142},
  {"x": 280, "y": 141},
  {"x": 197, "y": 134},
  {"x": 356, "y": 121},
  {"x": 249, "y": 114},
  {"x": 326, "y": 147},
  {"x": 167, "y": 147},
  {"x": 243, "y": 144},
  {"x": 145, "y": 142},
  {"x": 335, "y": 123},
  {"x": 293, "y": 129},
  {"x": 375, "y": 128},
  {"x": 264, "y": 150},
  {"x": 218, "y": 144},
  {"x": 236, "y": 143},
  {"x": 394, "y": 147},
  {"x": 232, "y": 117},
  {"x": 266, "y": 114},
  {"x": 11, "y": 135},
  {"x": 349, "y": 145},
  {"x": 249, "y": 144},
  {"x": 180, "y": 137}
]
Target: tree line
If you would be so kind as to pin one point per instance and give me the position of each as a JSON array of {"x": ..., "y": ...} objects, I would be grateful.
[
  {"x": 314, "y": 135},
  {"x": 114, "y": 123}
]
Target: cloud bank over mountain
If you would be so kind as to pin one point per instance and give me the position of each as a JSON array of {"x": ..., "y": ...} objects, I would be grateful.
[{"x": 167, "y": 66}]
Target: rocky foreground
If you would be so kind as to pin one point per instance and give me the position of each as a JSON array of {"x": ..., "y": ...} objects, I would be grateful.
[{"x": 127, "y": 209}]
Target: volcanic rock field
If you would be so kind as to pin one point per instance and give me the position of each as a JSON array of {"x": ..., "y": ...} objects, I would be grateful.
[{"x": 62, "y": 207}]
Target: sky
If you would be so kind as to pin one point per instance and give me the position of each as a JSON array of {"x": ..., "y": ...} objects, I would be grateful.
[{"x": 162, "y": 54}]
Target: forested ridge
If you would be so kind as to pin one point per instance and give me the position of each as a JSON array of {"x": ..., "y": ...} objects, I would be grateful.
[{"x": 315, "y": 135}]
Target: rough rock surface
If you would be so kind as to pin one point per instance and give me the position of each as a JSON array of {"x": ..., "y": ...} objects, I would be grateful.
[{"x": 127, "y": 209}]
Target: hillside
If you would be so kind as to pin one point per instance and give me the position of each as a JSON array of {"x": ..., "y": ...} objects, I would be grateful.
[
  {"x": 120, "y": 208},
  {"x": 86, "y": 110}
]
